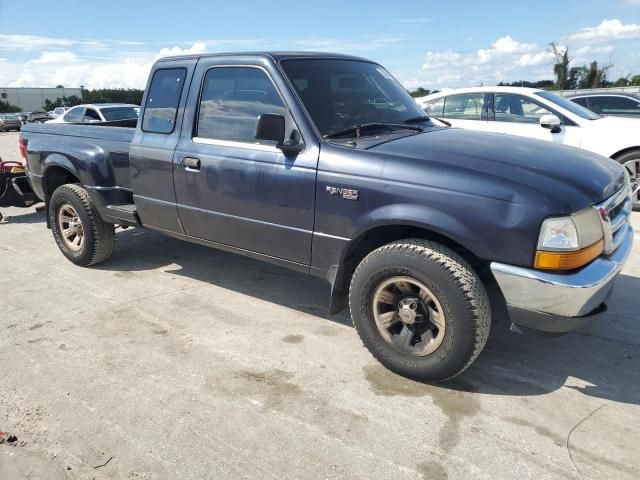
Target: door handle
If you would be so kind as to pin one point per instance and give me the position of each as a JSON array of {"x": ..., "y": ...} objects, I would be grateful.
[{"x": 191, "y": 163}]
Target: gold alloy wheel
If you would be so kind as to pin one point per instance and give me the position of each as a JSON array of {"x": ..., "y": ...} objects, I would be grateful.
[
  {"x": 71, "y": 227},
  {"x": 408, "y": 316}
]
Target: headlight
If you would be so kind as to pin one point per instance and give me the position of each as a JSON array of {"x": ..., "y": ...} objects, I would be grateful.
[{"x": 570, "y": 242}]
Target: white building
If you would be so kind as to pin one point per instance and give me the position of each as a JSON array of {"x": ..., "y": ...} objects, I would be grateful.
[{"x": 33, "y": 99}]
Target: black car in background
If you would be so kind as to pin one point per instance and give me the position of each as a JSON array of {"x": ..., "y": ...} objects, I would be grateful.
[{"x": 615, "y": 104}]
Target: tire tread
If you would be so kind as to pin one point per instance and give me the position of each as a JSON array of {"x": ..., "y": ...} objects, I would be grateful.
[
  {"x": 103, "y": 232},
  {"x": 469, "y": 283}
]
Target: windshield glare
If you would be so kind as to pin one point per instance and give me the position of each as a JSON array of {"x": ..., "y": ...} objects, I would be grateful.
[
  {"x": 567, "y": 104},
  {"x": 339, "y": 94}
]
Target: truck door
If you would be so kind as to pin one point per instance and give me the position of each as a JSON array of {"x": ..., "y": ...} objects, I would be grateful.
[
  {"x": 153, "y": 146},
  {"x": 231, "y": 188}
]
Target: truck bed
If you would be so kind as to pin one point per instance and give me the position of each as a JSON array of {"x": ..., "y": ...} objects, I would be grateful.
[{"x": 104, "y": 148}]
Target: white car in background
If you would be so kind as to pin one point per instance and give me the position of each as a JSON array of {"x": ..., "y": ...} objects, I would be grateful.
[
  {"x": 98, "y": 112},
  {"x": 533, "y": 113},
  {"x": 56, "y": 112}
]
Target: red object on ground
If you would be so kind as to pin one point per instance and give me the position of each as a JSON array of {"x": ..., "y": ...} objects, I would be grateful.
[
  {"x": 7, "y": 166},
  {"x": 23, "y": 148}
]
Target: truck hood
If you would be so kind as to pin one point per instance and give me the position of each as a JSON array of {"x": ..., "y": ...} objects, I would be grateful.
[{"x": 573, "y": 177}]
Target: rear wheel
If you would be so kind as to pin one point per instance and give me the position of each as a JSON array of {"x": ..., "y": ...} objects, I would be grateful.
[
  {"x": 81, "y": 234},
  {"x": 420, "y": 309},
  {"x": 631, "y": 162}
]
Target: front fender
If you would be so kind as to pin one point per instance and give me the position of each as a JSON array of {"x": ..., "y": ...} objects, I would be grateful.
[
  {"x": 437, "y": 221},
  {"x": 404, "y": 215}
]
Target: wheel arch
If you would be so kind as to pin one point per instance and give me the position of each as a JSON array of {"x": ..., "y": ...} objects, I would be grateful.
[
  {"x": 57, "y": 172},
  {"x": 379, "y": 235},
  {"x": 624, "y": 151},
  {"x": 57, "y": 168}
]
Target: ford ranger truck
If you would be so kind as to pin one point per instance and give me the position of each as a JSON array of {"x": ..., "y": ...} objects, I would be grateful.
[{"x": 324, "y": 164}]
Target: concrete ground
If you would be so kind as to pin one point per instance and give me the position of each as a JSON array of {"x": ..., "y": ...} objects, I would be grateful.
[{"x": 172, "y": 361}]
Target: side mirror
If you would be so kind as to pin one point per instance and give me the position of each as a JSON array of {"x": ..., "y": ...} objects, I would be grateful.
[
  {"x": 271, "y": 126},
  {"x": 551, "y": 122}
]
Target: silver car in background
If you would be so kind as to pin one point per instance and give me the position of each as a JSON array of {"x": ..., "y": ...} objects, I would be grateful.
[{"x": 9, "y": 121}]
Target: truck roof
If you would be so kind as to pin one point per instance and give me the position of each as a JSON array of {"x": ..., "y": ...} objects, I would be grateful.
[{"x": 277, "y": 55}]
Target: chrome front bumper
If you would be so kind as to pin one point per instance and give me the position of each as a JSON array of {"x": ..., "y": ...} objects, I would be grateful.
[{"x": 553, "y": 302}]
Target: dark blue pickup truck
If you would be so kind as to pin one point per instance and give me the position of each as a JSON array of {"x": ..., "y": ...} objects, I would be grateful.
[{"x": 324, "y": 164}]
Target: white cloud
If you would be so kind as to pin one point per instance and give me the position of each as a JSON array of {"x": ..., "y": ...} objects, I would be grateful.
[
  {"x": 197, "y": 47},
  {"x": 65, "y": 68},
  {"x": 504, "y": 47},
  {"x": 509, "y": 45},
  {"x": 17, "y": 42},
  {"x": 504, "y": 58},
  {"x": 532, "y": 59},
  {"x": 55, "y": 57},
  {"x": 32, "y": 42},
  {"x": 607, "y": 31}
]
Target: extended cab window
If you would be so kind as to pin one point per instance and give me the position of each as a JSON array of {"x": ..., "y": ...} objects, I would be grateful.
[
  {"x": 517, "y": 109},
  {"x": 231, "y": 101},
  {"x": 163, "y": 99},
  {"x": 464, "y": 107}
]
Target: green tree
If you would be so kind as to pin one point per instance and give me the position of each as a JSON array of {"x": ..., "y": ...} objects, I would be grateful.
[
  {"x": 6, "y": 107},
  {"x": 622, "y": 82},
  {"x": 420, "y": 92},
  {"x": 70, "y": 101},
  {"x": 635, "y": 81},
  {"x": 561, "y": 67},
  {"x": 595, "y": 77},
  {"x": 113, "y": 95}
]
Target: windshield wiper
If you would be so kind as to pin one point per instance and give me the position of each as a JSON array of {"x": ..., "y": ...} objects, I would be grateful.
[
  {"x": 426, "y": 118},
  {"x": 357, "y": 129},
  {"x": 448, "y": 124},
  {"x": 423, "y": 118}
]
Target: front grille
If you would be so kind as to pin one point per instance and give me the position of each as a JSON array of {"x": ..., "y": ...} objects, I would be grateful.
[{"x": 614, "y": 213}]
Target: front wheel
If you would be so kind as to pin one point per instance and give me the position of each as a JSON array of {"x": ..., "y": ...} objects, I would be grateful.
[
  {"x": 81, "y": 234},
  {"x": 420, "y": 309},
  {"x": 631, "y": 162}
]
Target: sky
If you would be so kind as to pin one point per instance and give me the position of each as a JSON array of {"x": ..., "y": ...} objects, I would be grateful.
[{"x": 430, "y": 44}]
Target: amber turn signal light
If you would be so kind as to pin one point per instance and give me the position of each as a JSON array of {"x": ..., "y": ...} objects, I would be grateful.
[{"x": 568, "y": 260}]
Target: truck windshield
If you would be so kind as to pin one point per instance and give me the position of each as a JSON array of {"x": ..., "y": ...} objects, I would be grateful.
[
  {"x": 111, "y": 114},
  {"x": 339, "y": 94}
]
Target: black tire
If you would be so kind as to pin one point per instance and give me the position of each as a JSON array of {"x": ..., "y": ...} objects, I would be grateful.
[
  {"x": 98, "y": 235},
  {"x": 631, "y": 161},
  {"x": 455, "y": 285}
]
